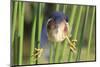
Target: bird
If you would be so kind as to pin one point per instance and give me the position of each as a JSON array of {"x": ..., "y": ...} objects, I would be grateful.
[{"x": 55, "y": 29}]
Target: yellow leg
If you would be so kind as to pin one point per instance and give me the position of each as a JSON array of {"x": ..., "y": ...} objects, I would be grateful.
[{"x": 72, "y": 44}]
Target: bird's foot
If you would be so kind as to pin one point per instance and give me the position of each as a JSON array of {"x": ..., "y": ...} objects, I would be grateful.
[
  {"x": 73, "y": 46},
  {"x": 37, "y": 53}
]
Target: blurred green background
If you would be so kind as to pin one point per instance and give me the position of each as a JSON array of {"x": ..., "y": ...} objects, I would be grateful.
[{"x": 26, "y": 25}]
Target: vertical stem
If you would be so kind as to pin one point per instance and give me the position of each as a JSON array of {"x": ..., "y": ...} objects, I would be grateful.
[
  {"x": 51, "y": 54},
  {"x": 76, "y": 29},
  {"x": 21, "y": 29},
  {"x": 71, "y": 25},
  {"x": 71, "y": 21},
  {"x": 77, "y": 23},
  {"x": 55, "y": 44},
  {"x": 57, "y": 53},
  {"x": 14, "y": 20},
  {"x": 57, "y": 7},
  {"x": 14, "y": 37},
  {"x": 90, "y": 34},
  {"x": 32, "y": 40},
  {"x": 82, "y": 34},
  {"x": 64, "y": 9},
  {"x": 15, "y": 49},
  {"x": 40, "y": 23},
  {"x": 64, "y": 44}
]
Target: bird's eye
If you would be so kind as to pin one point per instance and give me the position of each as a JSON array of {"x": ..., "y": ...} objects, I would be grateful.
[
  {"x": 66, "y": 18},
  {"x": 50, "y": 24}
]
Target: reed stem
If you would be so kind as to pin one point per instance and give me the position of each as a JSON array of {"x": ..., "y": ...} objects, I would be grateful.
[
  {"x": 64, "y": 44},
  {"x": 32, "y": 41},
  {"x": 71, "y": 25},
  {"x": 76, "y": 29},
  {"x": 90, "y": 34},
  {"x": 57, "y": 7},
  {"x": 57, "y": 52},
  {"x": 14, "y": 20},
  {"x": 71, "y": 20},
  {"x": 51, "y": 54},
  {"x": 82, "y": 34},
  {"x": 40, "y": 21},
  {"x": 21, "y": 30}
]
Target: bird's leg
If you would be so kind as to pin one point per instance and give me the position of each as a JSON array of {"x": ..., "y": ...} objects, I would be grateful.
[
  {"x": 37, "y": 53},
  {"x": 72, "y": 44}
]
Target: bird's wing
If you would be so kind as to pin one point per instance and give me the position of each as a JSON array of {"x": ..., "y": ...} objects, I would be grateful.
[{"x": 44, "y": 38}]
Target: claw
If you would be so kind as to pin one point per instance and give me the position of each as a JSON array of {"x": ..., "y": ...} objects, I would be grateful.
[
  {"x": 37, "y": 52},
  {"x": 72, "y": 44},
  {"x": 74, "y": 41},
  {"x": 72, "y": 47},
  {"x": 73, "y": 50}
]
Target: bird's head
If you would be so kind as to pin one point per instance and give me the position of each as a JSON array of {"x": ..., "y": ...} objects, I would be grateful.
[{"x": 57, "y": 27}]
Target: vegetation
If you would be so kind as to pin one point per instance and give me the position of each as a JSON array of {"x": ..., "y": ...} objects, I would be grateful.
[{"x": 27, "y": 20}]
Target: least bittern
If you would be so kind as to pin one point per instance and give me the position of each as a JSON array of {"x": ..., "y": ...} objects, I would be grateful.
[{"x": 56, "y": 29}]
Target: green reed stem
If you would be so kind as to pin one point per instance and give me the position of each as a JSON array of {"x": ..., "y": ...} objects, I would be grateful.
[
  {"x": 14, "y": 20},
  {"x": 76, "y": 28},
  {"x": 64, "y": 44},
  {"x": 71, "y": 20},
  {"x": 90, "y": 34},
  {"x": 82, "y": 35},
  {"x": 21, "y": 30},
  {"x": 57, "y": 52},
  {"x": 32, "y": 41},
  {"x": 57, "y": 7},
  {"x": 15, "y": 49},
  {"x": 40, "y": 21},
  {"x": 62, "y": 50},
  {"x": 64, "y": 9},
  {"x": 55, "y": 44},
  {"x": 51, "y": 54},
  {"x": 71, "y": 25},
  {"x": 77, "y": 23}
]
